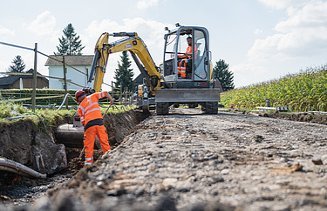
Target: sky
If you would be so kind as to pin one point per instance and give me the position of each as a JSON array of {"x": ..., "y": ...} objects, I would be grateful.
[{"x": 261, "y": 40}]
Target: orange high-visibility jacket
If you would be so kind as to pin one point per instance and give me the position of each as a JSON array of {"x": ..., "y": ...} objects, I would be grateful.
[
  {"x": 189, "y": 50},
  {"x": 89, "y": 108}
]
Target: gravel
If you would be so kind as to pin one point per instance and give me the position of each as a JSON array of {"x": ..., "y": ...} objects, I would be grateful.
[{"x": 191, "y": 161}]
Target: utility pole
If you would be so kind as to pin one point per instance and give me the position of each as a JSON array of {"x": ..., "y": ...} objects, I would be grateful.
[
  {"x": 65, "y": 79},
  {"x": 34, "y": 79}
]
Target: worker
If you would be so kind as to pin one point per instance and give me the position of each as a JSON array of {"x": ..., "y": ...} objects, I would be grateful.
[
  {"x": 92, "y": 120},
  {"x": 186, "y": 58}
]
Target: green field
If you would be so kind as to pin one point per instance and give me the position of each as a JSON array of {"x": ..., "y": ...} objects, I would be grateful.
[{"x": 305, "y": 91}]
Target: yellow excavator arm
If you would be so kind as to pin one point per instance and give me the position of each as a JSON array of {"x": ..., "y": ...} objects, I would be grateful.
[{"x": 132, "y": 43}]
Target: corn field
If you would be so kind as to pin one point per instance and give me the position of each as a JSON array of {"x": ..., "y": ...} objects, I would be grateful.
[{"x": 305, "y": 91}]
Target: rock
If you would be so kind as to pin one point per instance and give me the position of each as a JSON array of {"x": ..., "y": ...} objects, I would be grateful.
[
  {"x": 48, "y": 157},
  {"x": 258, "y": 138},
  {"x": 224, "y": 171},
  {"x": 166, "y": 203},
  {"x": 324, "y": 159},
  {"x": 152, "y": 167},
  {"x": 43, "y": 204},
  {"x": 169, "y": 182},
  {"x": 317, "y": 161},
  {"x": 66, "y": 201},
  {"x": 217, "y": 178}
]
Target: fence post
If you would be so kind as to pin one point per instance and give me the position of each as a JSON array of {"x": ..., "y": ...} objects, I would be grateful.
[
  {"x": 120, "y": 92},
  {"x": 125, "y": 100},
  {"x": 34, "y": 79},
  {"x": 65, "y": 79},
  {"x": 87, "y": 76}
]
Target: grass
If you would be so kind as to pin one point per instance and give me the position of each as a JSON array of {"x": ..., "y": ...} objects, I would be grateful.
[
  {"x": 47, "y": 117},
  {"x": 304, "y": 91}
]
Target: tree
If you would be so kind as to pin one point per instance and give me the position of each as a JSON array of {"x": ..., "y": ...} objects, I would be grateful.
[
  {"x": 17, "y": 65},
  {"x": 124, "y": 75},
  {"x": 226, "y": 77},
  {"x": 70, "y": 43}
]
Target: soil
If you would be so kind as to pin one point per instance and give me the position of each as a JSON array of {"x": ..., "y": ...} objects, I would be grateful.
[
  {"x": 190, "y": 161},
  {"x": 20, "y": 191},
  {"x": 319, "y": 118}
]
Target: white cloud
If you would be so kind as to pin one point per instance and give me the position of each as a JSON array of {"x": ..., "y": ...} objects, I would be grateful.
[
  {"x": 310, "y": 15},
  {"x": 277, "y": 4},
  {"x": 6, "y": 32},
  {"x": 299, "y": 41},
  {"x": 302, "y": 33},
  {"x": 145, "y": 4},
  {"x": 258, "y": 31},
  {"x": 43, "y": 24},
  {"x": 151, "y": 32}
]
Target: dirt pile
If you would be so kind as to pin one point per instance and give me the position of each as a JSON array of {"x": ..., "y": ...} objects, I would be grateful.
[{"x": 205, "y": 162}]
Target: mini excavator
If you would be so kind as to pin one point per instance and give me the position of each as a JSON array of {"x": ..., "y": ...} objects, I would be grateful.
[{"x": 162, "y": 87}]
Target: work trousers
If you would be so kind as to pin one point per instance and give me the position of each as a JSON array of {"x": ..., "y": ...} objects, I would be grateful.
[{"x": 89, "y": 138}]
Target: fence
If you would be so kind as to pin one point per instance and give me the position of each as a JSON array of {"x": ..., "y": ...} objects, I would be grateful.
[{"x": 51, "y": 97}]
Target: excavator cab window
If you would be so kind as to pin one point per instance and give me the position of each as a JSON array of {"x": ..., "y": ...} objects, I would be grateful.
[
  {"x": 187, "y": 59},
  {"x": 201, "y": 56},
  {"x": 185, "y": 54},
  {"x": 171, "y": 42}
]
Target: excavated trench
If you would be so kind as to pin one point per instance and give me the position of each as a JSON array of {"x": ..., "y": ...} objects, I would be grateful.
[{"x": 24, "y": 142}]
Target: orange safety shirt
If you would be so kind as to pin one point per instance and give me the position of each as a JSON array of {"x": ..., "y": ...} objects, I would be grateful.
[
  {"x": 89, "y": 108},
  {"x": 189, "y": 50}
]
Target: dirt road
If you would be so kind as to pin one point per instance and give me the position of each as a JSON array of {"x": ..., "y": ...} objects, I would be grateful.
[{"x": 194, "y": 161}]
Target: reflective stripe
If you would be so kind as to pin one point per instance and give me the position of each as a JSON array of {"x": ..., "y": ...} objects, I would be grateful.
[
  {"x": 92, "y": 104},
  {"x": 87, "y": 163},
  {"x": 88, "y": 107},
  {"x": 82, "y": 109},
  {"x": 93, "y": 109},
  {"x": 88, "y": 159},
  {"x": 89, "y": 100}
]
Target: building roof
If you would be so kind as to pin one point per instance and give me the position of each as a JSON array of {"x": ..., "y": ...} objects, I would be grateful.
[
  {"x": 8, "y": 80},
  {"x": 139, "y": 79},
  {"x": 4, "y": 81},
  {"x": 82, "y": 60}
]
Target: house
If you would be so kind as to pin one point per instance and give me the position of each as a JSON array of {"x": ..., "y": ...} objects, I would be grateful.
[
  {"x": 78, "y": 68},
  {"x": 138, "y": 80},
  {"x": 26, "y": 81}
]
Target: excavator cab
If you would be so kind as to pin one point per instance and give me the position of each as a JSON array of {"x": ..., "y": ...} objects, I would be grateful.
[
  {"x": 187, "y": 71},
  {"x": 187, "y": 57}
]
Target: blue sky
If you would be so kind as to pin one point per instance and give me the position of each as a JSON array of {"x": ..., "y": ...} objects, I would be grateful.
[{"x": 260, "y": 39}]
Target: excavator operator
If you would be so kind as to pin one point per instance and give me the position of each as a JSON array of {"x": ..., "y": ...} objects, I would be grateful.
[
  {"x": 92, "y": 120},
  {"x": 186, "y": 59}
]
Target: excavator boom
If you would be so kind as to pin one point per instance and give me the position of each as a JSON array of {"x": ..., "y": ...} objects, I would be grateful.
[{"x": 131, "y": 42}]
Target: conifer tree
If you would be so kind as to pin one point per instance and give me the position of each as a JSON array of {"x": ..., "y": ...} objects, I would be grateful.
[
  {"x": 222, "y": 73},
  {"x": 17, "y": 65},
  {"x": 69, "y": 43},
  {"x": 124, "y": 74}
]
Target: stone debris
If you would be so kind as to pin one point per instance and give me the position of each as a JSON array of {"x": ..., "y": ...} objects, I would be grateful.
[{"x": 205, "y": 162}]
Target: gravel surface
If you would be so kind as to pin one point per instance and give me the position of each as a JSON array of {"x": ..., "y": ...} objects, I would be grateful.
[{"x": 191, "y": 161}]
